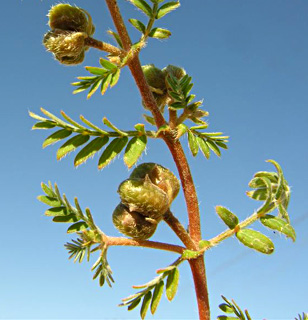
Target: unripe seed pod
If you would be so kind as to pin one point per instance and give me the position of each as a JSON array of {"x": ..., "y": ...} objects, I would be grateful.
[
  {"x": 133, "y": 224},
  {"x": 71, "y": 60},
  {"x": 66, "y": 17},
  {"x": 160, "y": 176},
  {"x": 155, "y": 78},
  {"x": 175, "y": 71},
  {"x": 68, "y": 47},
  {"x": 143, "y": 196}
]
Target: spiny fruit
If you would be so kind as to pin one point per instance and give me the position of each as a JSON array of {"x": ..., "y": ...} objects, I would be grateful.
[
  {"x": 133, "y": 224},
  {"x": 145, "y": 197}
]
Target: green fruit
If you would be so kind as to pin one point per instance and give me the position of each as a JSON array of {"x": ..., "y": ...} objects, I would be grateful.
[
  {"x": 67, "y": 47},
  {"x": 66, "y": 17},
  {"x": 175, "y": 71},
  {"x": 142, "y": 196},
  {"x": 160, "y": 176},
  {"x": 133, "y": 224},
  {"x": 155, "y": 78}
]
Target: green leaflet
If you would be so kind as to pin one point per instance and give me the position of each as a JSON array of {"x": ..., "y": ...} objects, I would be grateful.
[
  {"x": 48, "y": 191},
  {"x": 65, "y": 219},
  {"x": 278, "y": 224},
  {"x": 149, "y": 119},
  {"x": 94, "y": 87},
  {"x": 157, "y": 294},
  {"x": 112, "y": 150},
  {"x": 71, "y": 145},
  {"x": 97, "y": 71},
  {"x": 43, "y": 125},
  {"x": 225, "y": 308},
  {"x": 192, "y": 142},
  {"x": 255, "y": 240},
  {"x": 105, "y": 83},
  {"x": 50, "y": 201},
  {"x": 115, "y": 78},
  {"x": 138, "y": 25},
  {"x": 79, "y": 226},
  {"x": 203, "y": 147},
  {"x": 143, "y": 6},
  {"x": 159, "y": 33},
  {"x": 107, "y": 64},
  {"x": 145, "y": 304},
  {"x": 172, "y": 283},
  {"x": 134, "y": 304},
  {"x": 113, "y": 127},
  {"x": 56, "y": 136},
  {"x": 181, "y": 129},
  {"x": 166, "y": 8},
  {"x": 229, "y": 218},
  {"x": 227, "y": 318},
  {"x": 56, "y": 212},
  {"x": 213, "y": 147},
  {"x": 134, "y": 149},
  {"x": 258, "y": 194},
  {"x": 89, "y": 150}
]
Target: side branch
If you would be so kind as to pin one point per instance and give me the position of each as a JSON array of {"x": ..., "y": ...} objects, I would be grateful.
[
  {"x": 119, "y": 241},
  {"x": 103, "y": 46}
]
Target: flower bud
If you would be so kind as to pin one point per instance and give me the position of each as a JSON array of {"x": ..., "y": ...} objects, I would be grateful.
[
  {"x": 143, "y": 196},
  {"x": 133, "y": 224},
  {"x": 66, "y": 17},
  {"x": 160, "y": 176},
  {"x": 176, "y": 72}
]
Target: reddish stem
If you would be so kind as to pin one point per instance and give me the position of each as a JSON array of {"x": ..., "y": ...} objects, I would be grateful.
[
  {"x": 119, "y": 241},
  {"x": 197, "y": 265}
]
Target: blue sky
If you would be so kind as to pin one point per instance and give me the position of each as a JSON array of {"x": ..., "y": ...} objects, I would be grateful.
[{"x": 248, "y": 60}]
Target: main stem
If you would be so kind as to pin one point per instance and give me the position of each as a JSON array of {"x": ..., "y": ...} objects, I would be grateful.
[{"x": 197, "y": 265}]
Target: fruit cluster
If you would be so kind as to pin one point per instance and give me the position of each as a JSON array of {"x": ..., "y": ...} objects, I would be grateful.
[
  {"x": 145, "y": 198},
  {"x": 70, "y": 26},
  {"x": 156, "y": 79}
]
